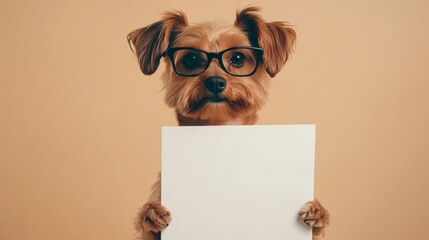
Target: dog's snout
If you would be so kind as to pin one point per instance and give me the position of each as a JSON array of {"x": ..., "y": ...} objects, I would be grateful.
[{"x": 215, "y": 84}]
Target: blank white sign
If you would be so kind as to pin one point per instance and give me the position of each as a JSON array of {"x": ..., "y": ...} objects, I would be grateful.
[{"x": 237, "y": 182}]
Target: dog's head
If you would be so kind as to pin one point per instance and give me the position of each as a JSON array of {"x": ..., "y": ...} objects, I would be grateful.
[{"x": 215, "y": 73}]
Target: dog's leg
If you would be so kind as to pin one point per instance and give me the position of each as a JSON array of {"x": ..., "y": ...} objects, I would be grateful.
[
  {"x": 153, "y": 217},
  {"x": 315, "y": 216}
]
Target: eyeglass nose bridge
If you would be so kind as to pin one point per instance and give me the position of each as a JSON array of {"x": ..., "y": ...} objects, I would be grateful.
[{"x": 217, "y": 55}]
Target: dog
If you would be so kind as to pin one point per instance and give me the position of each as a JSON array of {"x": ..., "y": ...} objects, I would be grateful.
[{"x": 216, "y": 74}]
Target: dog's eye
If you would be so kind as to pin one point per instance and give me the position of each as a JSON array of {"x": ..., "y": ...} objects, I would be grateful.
[
  {"x": 237, "y": 59},
  {"x": 191, "y": 61}
]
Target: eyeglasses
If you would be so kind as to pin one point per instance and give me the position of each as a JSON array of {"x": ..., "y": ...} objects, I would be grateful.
[{"x": 237, "y": 61}]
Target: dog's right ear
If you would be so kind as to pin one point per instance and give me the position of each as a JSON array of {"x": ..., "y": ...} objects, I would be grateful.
[
  {"x": 151, "y": 41},
  {"x": 276, "y": 38}
]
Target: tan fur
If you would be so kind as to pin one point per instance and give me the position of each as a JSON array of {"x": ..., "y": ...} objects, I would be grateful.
[{"x": 244, "y": 96}]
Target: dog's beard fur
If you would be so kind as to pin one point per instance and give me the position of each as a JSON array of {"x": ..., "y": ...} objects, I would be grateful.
[{"x": 240, "y": 100}]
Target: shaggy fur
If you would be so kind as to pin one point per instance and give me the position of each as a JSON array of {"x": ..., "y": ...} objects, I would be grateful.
[{"x": 242, "y": 97}]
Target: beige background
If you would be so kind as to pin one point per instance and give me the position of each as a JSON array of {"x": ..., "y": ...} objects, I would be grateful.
[{"x": 80, "y": 125}]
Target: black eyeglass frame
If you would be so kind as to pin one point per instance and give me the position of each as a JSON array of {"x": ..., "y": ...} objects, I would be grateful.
[{"x": 210, "y": 55}]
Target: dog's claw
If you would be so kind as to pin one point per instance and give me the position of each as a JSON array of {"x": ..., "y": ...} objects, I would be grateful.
[{"x": 309, "y": 222}]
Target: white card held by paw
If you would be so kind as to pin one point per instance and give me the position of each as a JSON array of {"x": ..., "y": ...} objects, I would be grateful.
[{"x": 237, "y": 182}]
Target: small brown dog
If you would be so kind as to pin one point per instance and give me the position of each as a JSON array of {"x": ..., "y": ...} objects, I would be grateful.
[{"x": 216, "y": 74}]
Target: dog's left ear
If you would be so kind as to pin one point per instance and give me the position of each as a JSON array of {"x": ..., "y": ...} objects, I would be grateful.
[
  {"x": 151, "y": 41},
  {"x": 276, "y": 38}
]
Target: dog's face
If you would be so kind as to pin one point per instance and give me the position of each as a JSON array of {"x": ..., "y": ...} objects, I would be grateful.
[{"x": 215, "y": 73}]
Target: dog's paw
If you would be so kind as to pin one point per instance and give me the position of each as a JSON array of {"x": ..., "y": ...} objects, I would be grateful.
[
  {"x": 315, "y": 216},
  {"x": 153, "y": 217}
]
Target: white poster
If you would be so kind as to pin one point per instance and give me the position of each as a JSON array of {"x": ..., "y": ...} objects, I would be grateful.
[{"x": 237, "y": 182}]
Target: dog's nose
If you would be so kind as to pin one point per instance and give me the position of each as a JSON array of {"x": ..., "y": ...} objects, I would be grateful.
[{"x": 215, "y": 84}]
